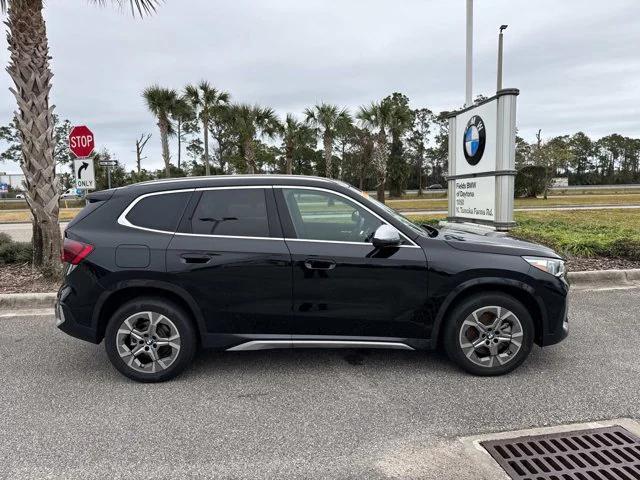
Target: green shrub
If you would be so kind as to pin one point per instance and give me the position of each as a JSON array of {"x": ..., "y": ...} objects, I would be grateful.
[
  {"x": 530, "y": 181},
  {"x": 5, "y": 238},
  {"x": 15, "y": 252}
]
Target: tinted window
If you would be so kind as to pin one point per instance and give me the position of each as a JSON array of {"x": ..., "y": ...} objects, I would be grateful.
[
  {"x": 159, "y": 212},
  {"x": 318, "y": 215},
  {"x": 240, "y": 213}
]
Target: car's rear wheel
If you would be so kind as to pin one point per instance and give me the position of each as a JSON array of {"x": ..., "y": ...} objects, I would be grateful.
[
  {"x": 489, "y": 334},
  {"x": 150, "y": 340}
]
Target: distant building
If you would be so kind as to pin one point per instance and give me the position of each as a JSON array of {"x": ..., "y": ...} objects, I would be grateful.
[
  {"x": 559, "y": 182},
  {"x": 14, "y": 180}
]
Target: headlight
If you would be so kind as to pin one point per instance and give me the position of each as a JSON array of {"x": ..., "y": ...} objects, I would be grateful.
[{"x": 554, "y": 266}]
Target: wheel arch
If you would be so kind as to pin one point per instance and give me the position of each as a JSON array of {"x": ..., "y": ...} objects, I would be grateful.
[
  {"x": 520, "y": 291},
  {"x": 112, "y": 299}
]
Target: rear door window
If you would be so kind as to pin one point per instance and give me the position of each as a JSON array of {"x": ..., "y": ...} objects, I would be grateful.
[
  {"x": 238, "y": 212},
  {"x": 159, "y": 212}
]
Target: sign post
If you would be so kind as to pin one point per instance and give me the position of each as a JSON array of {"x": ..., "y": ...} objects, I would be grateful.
[
  {"x": 108, "y": 164},
  {"x": 481, "y": 178},
  {"x": 81, "y": 144}
]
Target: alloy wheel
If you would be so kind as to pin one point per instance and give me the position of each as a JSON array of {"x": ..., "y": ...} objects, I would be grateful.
[
  {"x": 148, "y": 342},
  {"x": 491, "y": 336}
]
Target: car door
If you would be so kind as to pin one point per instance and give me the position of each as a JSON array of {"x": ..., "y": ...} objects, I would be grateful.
[
  {"x": 342, "y": 285},
  {"x": 229, "y": 253}
]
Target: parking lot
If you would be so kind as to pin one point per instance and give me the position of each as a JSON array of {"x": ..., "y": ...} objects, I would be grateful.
[{"x": 65, "y": 412}]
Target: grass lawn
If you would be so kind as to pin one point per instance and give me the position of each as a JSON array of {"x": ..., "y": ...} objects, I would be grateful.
[
  {"x": 14, "y": 216},
  {"x": 436, "y": 204},
  {"x": 586, "y": 233}
]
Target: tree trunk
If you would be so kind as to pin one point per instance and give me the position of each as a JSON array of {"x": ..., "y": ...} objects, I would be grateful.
[
  {"x": 328, "y": 145},
  {"x": 380, "y": 194},
  {"x": 36, "y": 242},
  {"x": 205, "y": 125},
  {"x": 179, "y": 142},
  {"x": 289, "y": 165},
  {"x": 420, "y": 163},
  {"x": 29, "y": 70},
  {"x": 249, "y": 156},
  {"x": 163, "y": 125},
  {"x": 380, "y": 154},
  {"x": 289, "y": 157}
]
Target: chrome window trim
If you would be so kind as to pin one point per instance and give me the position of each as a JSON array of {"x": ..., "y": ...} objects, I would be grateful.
[
  {"x": 370, "y": 245},
  {"x": 413, "y": 244},
  {"x": 122, "y": 220},
  {"x": 235, "y": 237}
]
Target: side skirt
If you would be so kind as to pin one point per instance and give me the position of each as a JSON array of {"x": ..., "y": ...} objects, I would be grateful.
[{"x": 269, "y": 344}]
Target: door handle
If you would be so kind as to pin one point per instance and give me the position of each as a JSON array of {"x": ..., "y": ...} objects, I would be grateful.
[
  {"x": 319, "y": 264},
  {"x": 195, "y": 258}
]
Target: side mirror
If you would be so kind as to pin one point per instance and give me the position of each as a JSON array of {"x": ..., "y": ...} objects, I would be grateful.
[{"x": 386, "y": 236}]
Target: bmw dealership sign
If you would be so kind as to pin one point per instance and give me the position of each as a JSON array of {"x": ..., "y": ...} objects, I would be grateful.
[
  {"x": 475, "y": 138},
  {"x": 482, "y": 162}
]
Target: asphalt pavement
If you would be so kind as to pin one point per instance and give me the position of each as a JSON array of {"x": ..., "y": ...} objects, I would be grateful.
[{"x": 66, "y": 413}]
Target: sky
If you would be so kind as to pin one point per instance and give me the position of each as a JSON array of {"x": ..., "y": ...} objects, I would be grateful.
[{"x": 576, "y": 62}]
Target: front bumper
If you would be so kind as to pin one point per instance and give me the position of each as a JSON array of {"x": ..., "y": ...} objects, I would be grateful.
[{"x": 562, "y": 329}]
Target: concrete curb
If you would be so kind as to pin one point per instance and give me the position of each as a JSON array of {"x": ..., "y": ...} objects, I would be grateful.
[
  {"x": 597, "y": 278},
  {"x": 609, "y": 278},
  {"x": 14, "y": 301}
]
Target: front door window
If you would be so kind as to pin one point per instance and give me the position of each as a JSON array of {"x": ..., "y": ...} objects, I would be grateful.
[{"x": 319, "y": 215}]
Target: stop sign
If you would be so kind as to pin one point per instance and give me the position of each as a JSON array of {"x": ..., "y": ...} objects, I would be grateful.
[{"x": 81, "y": 141}]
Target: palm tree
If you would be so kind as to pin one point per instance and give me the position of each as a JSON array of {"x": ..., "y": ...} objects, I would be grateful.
[
  {"x": 400, "y": 120},
  {"x": 344, "y": 135},
  {"x": 326, "y": 118},
  {"x": 205, "y": 100},
  {"x": 376, "y": 117},
  {"x": 294, "y": 134},
  {"x": 161, "y": 101},
  {"x": 251, "y": 122},
  {"x": 181, "y": 112},
  {"x": 31, "y": 75}
]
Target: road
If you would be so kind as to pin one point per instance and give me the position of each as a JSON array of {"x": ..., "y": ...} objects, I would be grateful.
[
  {"x": 66, "y": 413},
  {"x": 21, "y": 232}
]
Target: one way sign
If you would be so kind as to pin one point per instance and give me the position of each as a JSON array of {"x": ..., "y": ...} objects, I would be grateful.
[{"x": 84, "y": 173}]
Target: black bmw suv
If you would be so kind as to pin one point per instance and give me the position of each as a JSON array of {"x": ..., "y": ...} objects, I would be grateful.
[{"x": 160, "y": 269}]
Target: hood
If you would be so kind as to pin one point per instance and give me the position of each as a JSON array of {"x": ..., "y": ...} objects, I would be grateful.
[{"x": 492, "y": 243}]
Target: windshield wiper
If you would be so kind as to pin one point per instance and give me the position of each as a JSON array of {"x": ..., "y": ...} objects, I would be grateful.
[{"x": 430, "y": 229}]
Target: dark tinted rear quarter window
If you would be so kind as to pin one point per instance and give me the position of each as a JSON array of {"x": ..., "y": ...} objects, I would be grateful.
[
  {"x": 240, "y": 213},
  {"x": 159, "y": 212}
]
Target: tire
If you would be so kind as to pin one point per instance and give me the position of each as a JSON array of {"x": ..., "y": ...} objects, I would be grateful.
[
  {"x": 507, "y": 348},
  {"x": 150, "y": 340}
]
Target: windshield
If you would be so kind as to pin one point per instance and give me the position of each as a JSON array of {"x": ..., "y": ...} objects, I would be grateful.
[{"x": 405, "y": 221}]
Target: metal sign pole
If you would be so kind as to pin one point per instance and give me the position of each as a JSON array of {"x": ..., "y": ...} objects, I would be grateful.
[
  {"x": 500, "y": 48},
  {"x": 109, "y": 176},
  {"x": 469, "y": 89}
]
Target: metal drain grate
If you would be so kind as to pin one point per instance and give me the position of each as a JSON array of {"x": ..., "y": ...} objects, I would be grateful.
[{"x": 610, "y": 453}]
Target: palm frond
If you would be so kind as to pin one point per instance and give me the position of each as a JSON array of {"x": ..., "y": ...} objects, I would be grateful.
[{"x": 138, "y": 7}]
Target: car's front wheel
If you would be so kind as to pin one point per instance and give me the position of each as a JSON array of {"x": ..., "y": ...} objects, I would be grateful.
[
  {"x": 489, "y": 334},
  {"x": 150, "y": 340}
]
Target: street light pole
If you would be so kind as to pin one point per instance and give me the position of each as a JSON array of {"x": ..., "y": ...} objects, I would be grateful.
[
  {"x": 469, "y": 86},
  {"x": 500, "y": 41}
]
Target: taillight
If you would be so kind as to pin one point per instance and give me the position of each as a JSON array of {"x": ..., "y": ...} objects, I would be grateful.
[{"x": 74, "y": 252}]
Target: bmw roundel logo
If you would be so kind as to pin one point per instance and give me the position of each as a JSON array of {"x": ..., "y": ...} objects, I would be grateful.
[{"x": 474, "y": 140}]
